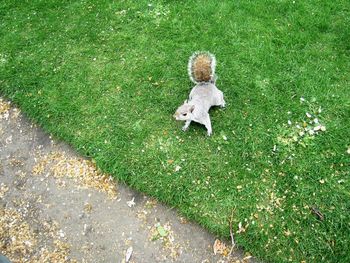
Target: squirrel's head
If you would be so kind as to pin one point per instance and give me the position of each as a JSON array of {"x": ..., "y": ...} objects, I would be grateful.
[{"x": 184, "y": 112}]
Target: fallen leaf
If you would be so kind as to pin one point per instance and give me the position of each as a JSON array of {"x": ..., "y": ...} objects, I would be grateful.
[
  {"x": 88, "y": 207},
  {"x": 220, "y": 248},
  {"x": 162, "y": 232},
  {"x": 287, "y": 233}
]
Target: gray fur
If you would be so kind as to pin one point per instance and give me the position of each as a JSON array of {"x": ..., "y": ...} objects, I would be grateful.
[{"x": 201, "y": 98}]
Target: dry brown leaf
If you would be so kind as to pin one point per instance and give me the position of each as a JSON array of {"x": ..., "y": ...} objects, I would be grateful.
[{"x": 219, "y": 247}]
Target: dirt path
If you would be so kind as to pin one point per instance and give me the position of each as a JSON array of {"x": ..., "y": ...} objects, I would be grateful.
[{"x": 57, "y": 207}]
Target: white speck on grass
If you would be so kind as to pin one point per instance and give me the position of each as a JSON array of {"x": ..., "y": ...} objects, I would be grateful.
[
  {"x": 3, "y": 59},
  {"x": 317, "y": 128}
]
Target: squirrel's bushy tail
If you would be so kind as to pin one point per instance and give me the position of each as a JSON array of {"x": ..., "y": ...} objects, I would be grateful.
[{"x": 201, "y": 67}]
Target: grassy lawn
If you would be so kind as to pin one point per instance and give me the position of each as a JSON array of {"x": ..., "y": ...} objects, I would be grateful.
[{"x": 107, "y": 77}]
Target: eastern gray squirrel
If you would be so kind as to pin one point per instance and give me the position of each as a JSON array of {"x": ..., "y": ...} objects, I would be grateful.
[{"x": 201, "y": 69}]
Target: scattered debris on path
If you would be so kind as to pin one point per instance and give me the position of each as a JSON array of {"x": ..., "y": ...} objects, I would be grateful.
[
  {"x": 84, "y": 172},
  {"x": 20, "y": 242},
  {"x": 58, "y": 207}
]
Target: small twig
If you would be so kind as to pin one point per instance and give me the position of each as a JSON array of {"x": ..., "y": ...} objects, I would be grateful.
[
  {"x": 317, "y": 213},
  {"x": 231, "y": 234}
]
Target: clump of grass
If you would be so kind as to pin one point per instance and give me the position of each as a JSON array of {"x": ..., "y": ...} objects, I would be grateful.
[{"x": 106, "y": 77}]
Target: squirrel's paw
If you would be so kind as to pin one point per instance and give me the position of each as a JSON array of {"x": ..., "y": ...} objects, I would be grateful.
[
  {"x": 185, "y": 128},
  {"x": 209, "y": 133}
]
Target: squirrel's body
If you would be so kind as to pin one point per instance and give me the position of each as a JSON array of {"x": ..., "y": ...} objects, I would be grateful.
[{"x": 204, "y": 95}]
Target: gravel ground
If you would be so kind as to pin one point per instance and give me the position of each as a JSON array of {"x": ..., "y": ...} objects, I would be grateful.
[{"x": 56, "y": 206}]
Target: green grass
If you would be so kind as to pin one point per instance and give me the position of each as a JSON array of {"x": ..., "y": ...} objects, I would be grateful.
[{"x": 107, "y": 77}]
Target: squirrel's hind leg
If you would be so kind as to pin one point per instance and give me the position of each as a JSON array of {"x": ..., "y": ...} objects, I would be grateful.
[
  {"x": 219, "y": 99},
  {"x": 207, "y": 124},
  {"x": 222, "y": 101}
]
